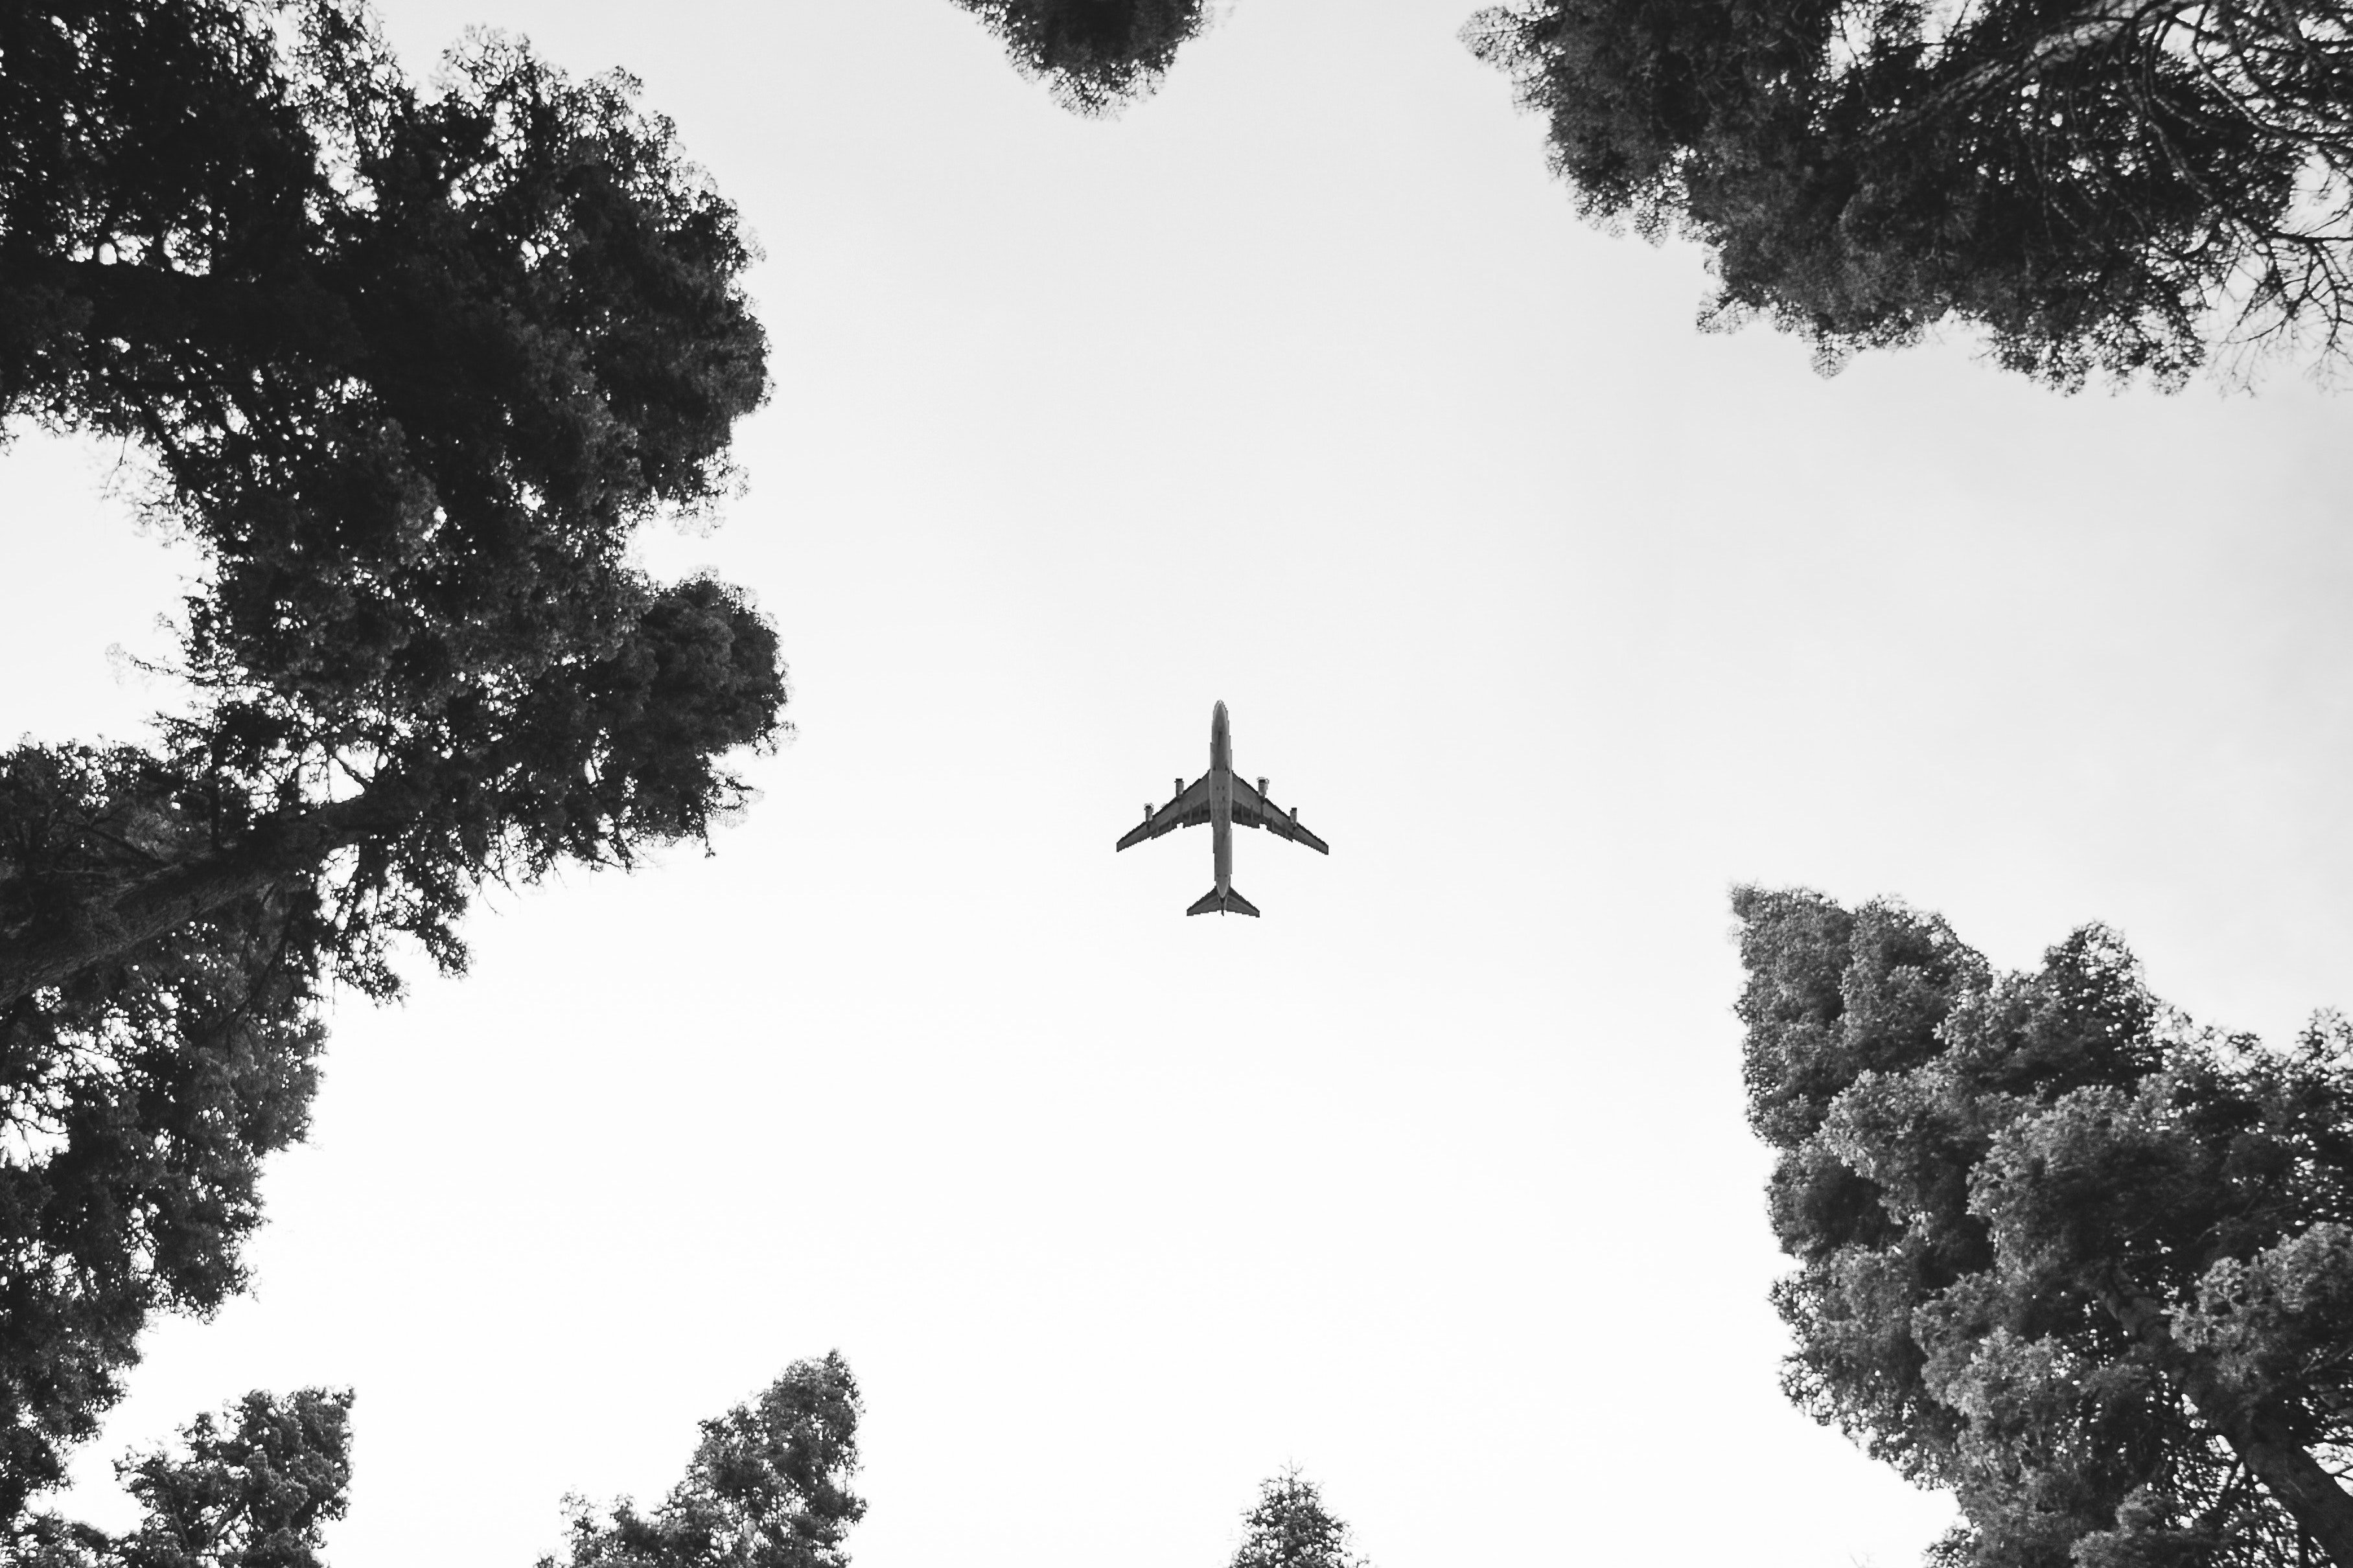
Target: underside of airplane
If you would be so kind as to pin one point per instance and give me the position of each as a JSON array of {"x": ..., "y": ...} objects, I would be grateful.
[{"x": 1224, "y": 801}]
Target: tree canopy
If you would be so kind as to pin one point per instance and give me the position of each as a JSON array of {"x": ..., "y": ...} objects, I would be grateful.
[
  {"x": 188, "y": 909},
  {"x": 767, "y": 1487},
  {"x": 409, "y": 368},
  {"x": 1095, "y": 55},
  {"x": 2101, "y": 185},
  {"x": 253, "y": 1493},
  {"x": 1289, "y": 1527},
  {"x": 2086, "y": 1265}
]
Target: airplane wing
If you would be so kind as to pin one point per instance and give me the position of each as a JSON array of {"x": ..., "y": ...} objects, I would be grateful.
[
  {"x": 1189, "y": 809},
  {"x": 1252, "y": 809}
]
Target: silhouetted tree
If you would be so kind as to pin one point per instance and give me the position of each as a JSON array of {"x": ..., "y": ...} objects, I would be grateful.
[
  {"x": 179, "y": 914},
  {"x": 2088, "y": 1268},
  {"x": 410, "y": 368},
  {"x": 136, "y": 1104},
  {"x": 768, "y": 1488},
  {"x": 252, "y": 1496},
  {"x": 1289, "y": 1527},
  {"x": 587, "y": 759},
  {"x": 2101, "y": 185},
  {"x": 1097, "y": 56}
]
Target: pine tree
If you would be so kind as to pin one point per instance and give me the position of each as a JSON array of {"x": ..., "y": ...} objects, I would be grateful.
[
  {"x": 1289, "y": 1527},
  {"x": 1095, "y": 55},
  {"x": 2059, "y": 1251},
  {"x": 410, "y": 368},
  {"x": 2102, "y": 187},
  {"x": 767, "y": 1487}
]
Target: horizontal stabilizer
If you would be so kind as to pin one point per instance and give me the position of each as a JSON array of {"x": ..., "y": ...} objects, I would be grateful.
[{"x": 1229, "y": 902}]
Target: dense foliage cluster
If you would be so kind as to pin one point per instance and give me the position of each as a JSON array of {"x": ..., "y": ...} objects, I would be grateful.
[
  {"x": 137, "y": 1099},
  {"x": 768, "y": 1488},
  {"x": 1097, "y": 56},
  {"x": 2088, "y": 1268},
  {"x": 255, "y": 1494},
  {"x": 2107, "y": 185},
  {"x": 409, "y": 368},
  {"x": 1289, "y": 1527},
  {"x": 140, "y": 1091}
]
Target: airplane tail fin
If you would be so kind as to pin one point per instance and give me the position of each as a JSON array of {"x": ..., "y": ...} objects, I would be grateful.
[{"x": 1227, "y": 902}]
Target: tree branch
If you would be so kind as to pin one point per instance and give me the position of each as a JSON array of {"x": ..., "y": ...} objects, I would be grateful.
[
  {"x": 277, "y": 850},
  {"x": 2257, "y": 1431}
]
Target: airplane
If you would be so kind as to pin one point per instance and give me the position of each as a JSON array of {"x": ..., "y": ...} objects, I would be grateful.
[{"x": 1224, "y": 802}]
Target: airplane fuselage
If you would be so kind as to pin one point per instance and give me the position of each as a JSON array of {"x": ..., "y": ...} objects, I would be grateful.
[{"x": 1221, "y": 797}]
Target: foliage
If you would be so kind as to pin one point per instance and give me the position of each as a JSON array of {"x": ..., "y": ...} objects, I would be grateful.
[
  {"x": 409, "y": 367},
  {"x": 2058, "y": 1251},
  {"x": 1288, "y": 1527},
  {"x": 139, "y": 1094},
  {"x": 1097, "y": 56},
  {"x": 253, "y": 1496},
  {"x": 2101, "y": 185},
  {"x": 767, "y": 1487},
  {"x": 136, "y": 1103}
]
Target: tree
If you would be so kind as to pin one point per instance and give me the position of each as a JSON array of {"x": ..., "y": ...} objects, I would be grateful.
[
  {"x": 136, "y": 1105},
  {"x": 410, "y": 369},
  {"x": 1289, "y": 1528},
  {"x": 2086, "y": 1265},
  {"x": 587, "y": 759},
  {"x": 1096, "y": 56},
  {"x": 181, "y": 914},
  {"x": 2100, "y": 183},
  {"x": 767, "y": 1487},
  {"x": 253, "y": 1496}
]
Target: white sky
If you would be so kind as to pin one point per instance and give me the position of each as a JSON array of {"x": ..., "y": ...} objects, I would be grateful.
[{"x": 1301, "y": 386}]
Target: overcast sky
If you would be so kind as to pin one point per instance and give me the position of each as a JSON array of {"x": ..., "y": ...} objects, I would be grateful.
[{"x": 1301, "y": 386}]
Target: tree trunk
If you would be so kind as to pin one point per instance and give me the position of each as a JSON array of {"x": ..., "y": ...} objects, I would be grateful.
[
  {"x": 2291, "y": 1474},
  {"x": 2258, "y": 1433},
  {"x": 277, "y": 850}
]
